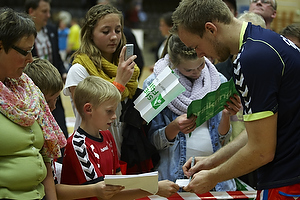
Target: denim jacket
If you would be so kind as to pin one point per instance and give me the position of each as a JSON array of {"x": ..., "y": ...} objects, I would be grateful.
[{"x": 173, "y": 153}]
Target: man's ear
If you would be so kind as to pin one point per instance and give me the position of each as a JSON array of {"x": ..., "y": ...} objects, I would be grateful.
[
  {"x": 87, "y": 108},
  {"x": 210, "y": 28},
  {"x": 274, "y": 14}
]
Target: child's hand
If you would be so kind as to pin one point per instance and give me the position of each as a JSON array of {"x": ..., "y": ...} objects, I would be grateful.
[
  {"x": 234, "y": 106},
  {"x": 184, "y": 124},
  {"x": 107, "y": 191},
  {"x": 167, "y": 188}
]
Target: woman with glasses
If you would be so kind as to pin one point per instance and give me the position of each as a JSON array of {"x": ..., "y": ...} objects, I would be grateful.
[
  {"x": 30, "y": 137},
  {"x": 265, "y": 8}
]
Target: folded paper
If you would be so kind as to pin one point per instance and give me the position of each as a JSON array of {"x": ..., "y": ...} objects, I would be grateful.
[
  {"x": 164, "y": 88},
  {"x": 212, "y": 103},
  {"x": 145, "y": 181}
]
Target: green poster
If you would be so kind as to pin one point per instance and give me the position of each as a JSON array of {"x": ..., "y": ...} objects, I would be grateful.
[{"x": 212, "y": 103}]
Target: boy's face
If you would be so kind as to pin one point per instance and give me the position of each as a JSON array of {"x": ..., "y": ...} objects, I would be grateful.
[
  {"x": 51, "y": 100},
  {"x": 104, "y": 115}
]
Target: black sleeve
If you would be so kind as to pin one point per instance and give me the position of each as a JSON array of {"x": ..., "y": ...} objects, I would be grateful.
[
  {"x": 53, "y": 37},
  {"x": 137, "y": 51}
]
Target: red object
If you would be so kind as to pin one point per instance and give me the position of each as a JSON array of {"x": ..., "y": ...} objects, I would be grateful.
[
  {"x": 119, "y": 86},
  {"x": 123, "y": 166},
  {"x": 208, "y": 196}
]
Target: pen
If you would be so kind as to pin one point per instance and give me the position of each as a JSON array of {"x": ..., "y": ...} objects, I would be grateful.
[{"x": 192, "y": 164}]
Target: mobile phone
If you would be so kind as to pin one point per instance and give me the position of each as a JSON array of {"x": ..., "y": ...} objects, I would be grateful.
[{"x": 129, "y": 51}]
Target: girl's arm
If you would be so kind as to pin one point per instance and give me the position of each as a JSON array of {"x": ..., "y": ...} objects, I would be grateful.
[{"x": 230, "y": 109}]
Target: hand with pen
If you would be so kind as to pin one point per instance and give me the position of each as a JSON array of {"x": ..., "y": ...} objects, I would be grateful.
[{"x": 197, "y": 168}]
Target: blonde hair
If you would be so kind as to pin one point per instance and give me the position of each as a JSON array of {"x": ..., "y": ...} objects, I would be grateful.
[
  {"x": 87, "y": 46},
  {"x": 254, "y": 18},
  {"x": 178, "y": 51},
  {"x": 94, "y": 90},
  {"x": 45, "y": 76}
]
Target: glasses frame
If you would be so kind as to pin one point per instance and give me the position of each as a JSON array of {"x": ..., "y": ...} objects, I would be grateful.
[
  {"x": 270, "y": 2},
  {"x": 21, "y": 51}
]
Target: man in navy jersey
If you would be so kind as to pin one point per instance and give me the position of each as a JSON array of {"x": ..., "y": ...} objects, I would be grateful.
[{"x": 266, "y": 75}]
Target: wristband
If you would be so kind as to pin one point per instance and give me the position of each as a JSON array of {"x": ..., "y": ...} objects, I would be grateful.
[{"x": 119, "y": 86}]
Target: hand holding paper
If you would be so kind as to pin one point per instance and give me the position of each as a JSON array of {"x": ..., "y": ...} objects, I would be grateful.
[
  {"x": 234, "y": 105},
  {"x": 182, "y": 182},
  {"x": 212, "y": 103},
  {"x": 182, "y": 124}
]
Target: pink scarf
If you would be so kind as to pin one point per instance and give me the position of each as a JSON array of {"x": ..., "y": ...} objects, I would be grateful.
[
  {"x": 23, "y": 103},
  {"x": 208, "y": 81}
]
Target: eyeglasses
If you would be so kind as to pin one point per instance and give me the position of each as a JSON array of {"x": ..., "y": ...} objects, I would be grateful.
[
  {"x": 263, "y": 2},
  {"x": 21, "y": 51}
]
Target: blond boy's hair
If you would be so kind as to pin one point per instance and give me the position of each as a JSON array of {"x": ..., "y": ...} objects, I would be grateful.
[
  {"x": 254, "y": 18},
  {"x": 45, "y": 76},
  {"x": 96, "y": 91}
]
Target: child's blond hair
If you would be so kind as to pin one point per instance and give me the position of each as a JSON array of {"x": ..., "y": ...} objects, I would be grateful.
[
  {"x": 45, "y": 76},
  {"x": 94, "y": 90},
  {"x": 254, "y": 18}
]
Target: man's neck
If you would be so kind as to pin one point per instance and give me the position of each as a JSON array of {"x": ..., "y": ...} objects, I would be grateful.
[
  {"x": 233, "y": 32},
  {"x": 268, "y": 25}
]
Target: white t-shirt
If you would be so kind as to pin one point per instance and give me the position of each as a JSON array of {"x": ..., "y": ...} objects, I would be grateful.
[
  {"x": 199, "y": 144},
  {"x": 76, "y": 74}
]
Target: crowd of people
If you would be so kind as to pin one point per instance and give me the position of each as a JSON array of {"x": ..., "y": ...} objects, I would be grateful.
[{"x": 257, "y": 131}]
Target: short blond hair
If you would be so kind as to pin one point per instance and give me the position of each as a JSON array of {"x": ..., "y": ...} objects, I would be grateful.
[
  {"x": 45, "y": 76},
  {"x": 254, "y": 18},
  {"x": 94, "y": 90}
]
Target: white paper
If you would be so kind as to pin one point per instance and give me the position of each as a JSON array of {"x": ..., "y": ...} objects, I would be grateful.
[
  {"x": 164, "y": 88},
  {"x": 145, "y": 181},
  {"x": 182, "y": 182}
]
